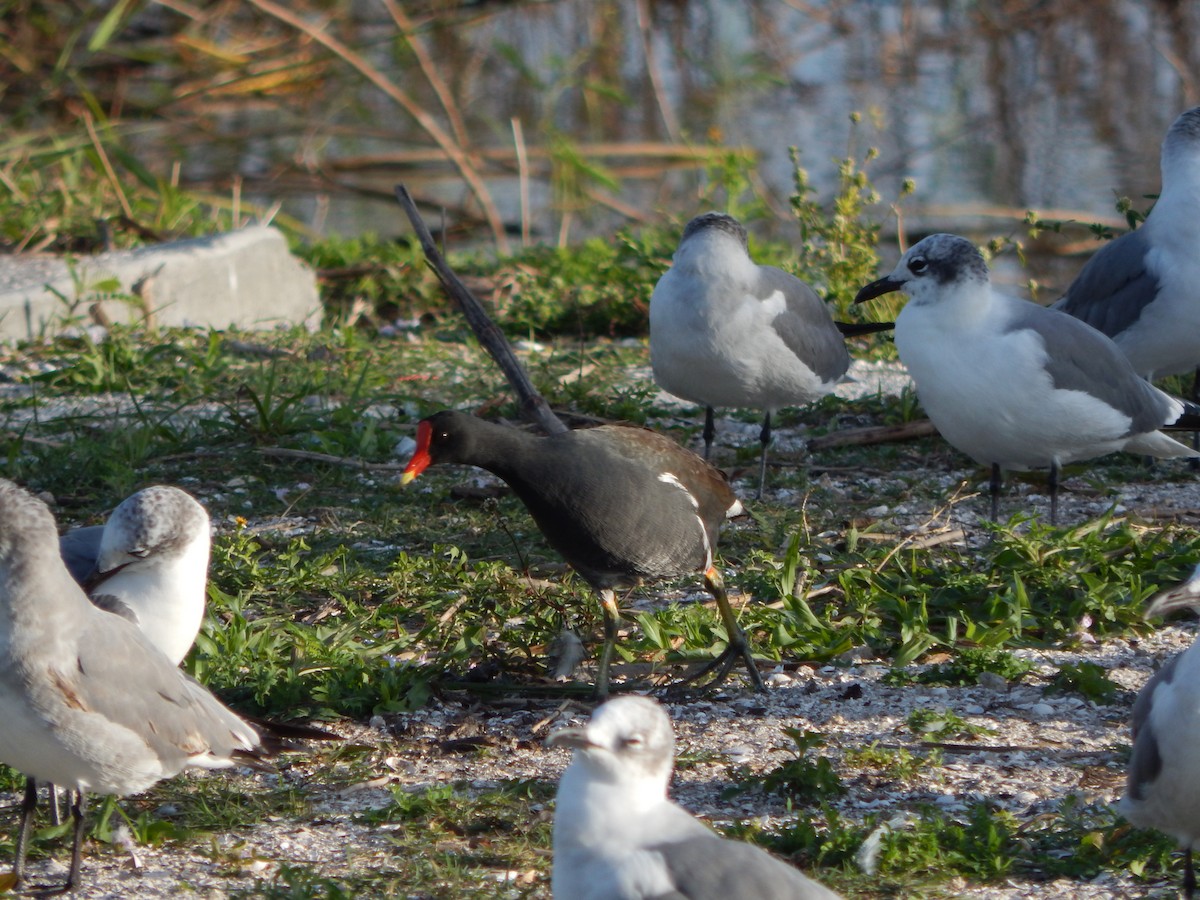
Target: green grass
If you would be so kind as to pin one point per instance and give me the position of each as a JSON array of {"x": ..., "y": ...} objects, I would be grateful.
[{"x": 334, "y": 593}]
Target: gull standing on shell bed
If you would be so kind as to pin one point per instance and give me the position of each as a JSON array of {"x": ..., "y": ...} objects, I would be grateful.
[
  {"x": 618, "y": 837},
  {"x": 725, "y": 331},
  {"x": 1162, "y": 789},
  {"x": 1015, "y": 385},
  {"x": 86, "y": 701},
  {"x": 149, "y": 564}
]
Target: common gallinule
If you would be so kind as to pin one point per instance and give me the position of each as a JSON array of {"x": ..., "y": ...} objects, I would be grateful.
[
  {"x": 87, "y": 702},
  {"x": 725, "y": 331},
  {"x": 1162, "y": 789},
  {"x": 616, "y": 835},
  {"x": 1013, "y": 384},
  {"x": 148, "y": 563},
  {"x": 622, "y": 505}
]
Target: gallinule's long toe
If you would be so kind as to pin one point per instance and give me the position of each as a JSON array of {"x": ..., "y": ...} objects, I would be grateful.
[
  {"x": 622, "y": 505},
  {"x": 725, "y": 331}
]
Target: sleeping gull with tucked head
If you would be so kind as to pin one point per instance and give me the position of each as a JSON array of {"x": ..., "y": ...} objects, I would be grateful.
[
  {"x": 725, "y": 331},
  {"x": 87, "y": 701},
  {"x": 148, "y": 563},
  {"x": 618, "y": 837},
  {"x": 1162, "y": 789},
  {"x": 1015, "y": 385}
]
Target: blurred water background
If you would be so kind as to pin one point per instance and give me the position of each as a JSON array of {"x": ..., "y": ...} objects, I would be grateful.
[{"x": 553, "y": 120}]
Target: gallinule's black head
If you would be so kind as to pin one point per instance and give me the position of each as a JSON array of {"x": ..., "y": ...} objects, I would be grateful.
[{"x": 622, "y": 505}]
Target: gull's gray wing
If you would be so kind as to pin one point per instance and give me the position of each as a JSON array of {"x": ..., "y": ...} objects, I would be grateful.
[
  {"x": 1080, "y": 358},
  {"x": 80, "y": 548},
  {"x": 806, "y": 326},
  {"x": 1146, "y": 761},
  {"x": 708, "y": 867},
  {"x": 1145, "y": 697},
  {"x": 119, "y": 675},
  {"x": 1114, "y": 286}
]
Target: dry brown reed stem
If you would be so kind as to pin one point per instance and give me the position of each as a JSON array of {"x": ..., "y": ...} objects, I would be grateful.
[
  {"x": 456, "y": 153},
  {"x": 432, "y": 75}
]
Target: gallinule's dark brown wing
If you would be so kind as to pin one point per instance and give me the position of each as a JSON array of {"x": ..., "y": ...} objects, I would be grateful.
[{"x": 622, "y": 505}]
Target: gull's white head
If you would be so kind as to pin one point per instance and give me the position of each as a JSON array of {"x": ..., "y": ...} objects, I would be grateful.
[
  {"x": 629, "y": 739},
  {"x": 933, "y": 270},
  {"x": 157, "y": 523}
]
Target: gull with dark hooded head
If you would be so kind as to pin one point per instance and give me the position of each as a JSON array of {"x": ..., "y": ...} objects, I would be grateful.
[
  {"x": 1162, "y": 789},
  {"x": 618, "y": 837},
  {"x": 1015, "y": 385},
  {"x": 725, "y": 331}
]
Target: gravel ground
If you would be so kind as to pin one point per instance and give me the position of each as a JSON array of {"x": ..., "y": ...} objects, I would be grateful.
[{"x": 1043, "y": 748}]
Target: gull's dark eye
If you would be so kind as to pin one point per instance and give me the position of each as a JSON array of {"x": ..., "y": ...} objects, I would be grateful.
[
  {"x": 139, "y": 552},
  {"x": 918, "y": 265},
  {"x": 634, "y": 740}
]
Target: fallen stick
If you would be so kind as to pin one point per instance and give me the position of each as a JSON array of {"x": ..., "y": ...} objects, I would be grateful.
[
  {"x": 313, "y": 456},
  {"x": 873, "y": 434}
]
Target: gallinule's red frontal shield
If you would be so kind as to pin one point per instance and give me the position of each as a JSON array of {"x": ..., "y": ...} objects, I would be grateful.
[{"x": 622, "y": 505}]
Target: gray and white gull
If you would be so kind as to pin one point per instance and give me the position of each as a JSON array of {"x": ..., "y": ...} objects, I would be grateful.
[
  {"x": 1162, "y": 789},
  {"x": 1015, "y": 385},
  {"x": 618, "y": 837},
  {"x": 148, "y": 563},
  {"x": 725, "y": 331},
  {"x": 1143, "y": 288},
  {"x": 87, "y": 701}
]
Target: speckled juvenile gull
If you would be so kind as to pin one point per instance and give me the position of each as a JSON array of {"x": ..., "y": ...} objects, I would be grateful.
[
  {"x": 1162, "y": 789},
  {"x": 87, "y": 701},
  {"x": 1143, "y": 289},
  {"x": 148, "y": 563},
  {"x": 618, "y": 837},
  {"x": 1015, "y": 385},
  {"x": 725, "y": 331}
]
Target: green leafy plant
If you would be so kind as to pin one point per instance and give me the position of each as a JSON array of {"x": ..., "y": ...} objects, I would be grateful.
[
  {"x": 1088, "y": 679},
  {"x": 943, "y": 724}
]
